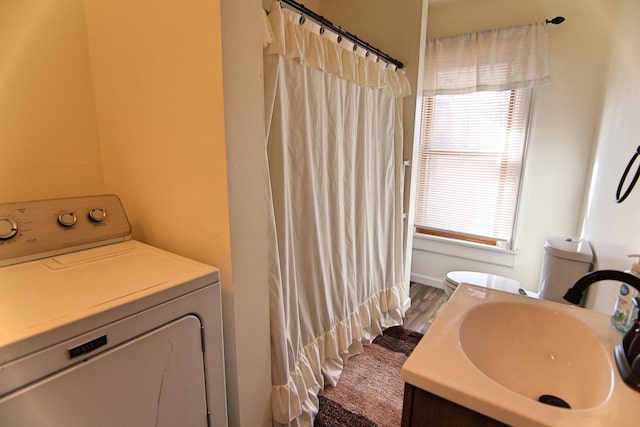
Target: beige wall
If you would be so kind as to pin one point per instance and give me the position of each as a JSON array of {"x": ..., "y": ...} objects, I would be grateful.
[
  {"x": 160, "y": 142},
  {"x": 159, "y": 94},
  {"x": 310, "y": 4},
  {"x": 564, "y": 122},
  {"x": 158, "y": 81},
  {"x": 48, "y": 131}
]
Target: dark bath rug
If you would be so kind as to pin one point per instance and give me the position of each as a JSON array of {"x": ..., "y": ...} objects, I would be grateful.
[
  {"x": 333, "y": 414},
  {"x": 370, "y": 391}
]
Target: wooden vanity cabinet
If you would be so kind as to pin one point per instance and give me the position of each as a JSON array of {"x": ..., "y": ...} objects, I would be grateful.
[{"x": 423, "y": 409}]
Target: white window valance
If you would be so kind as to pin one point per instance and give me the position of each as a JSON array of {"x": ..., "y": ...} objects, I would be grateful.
[{"x": 495, "y": 60}]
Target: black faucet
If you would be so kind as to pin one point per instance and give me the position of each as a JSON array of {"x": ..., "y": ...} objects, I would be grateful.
[{"x": 627, "y": 353}]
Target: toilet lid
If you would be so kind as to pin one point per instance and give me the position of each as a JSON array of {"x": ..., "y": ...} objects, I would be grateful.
[{"x": 483, "y": 279}]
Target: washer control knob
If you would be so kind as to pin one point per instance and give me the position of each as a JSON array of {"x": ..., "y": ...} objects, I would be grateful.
[
  {"x": 67, "y": 219},
  {"x": 97, "y": 215},
  {"x": 8, "y": 228}
]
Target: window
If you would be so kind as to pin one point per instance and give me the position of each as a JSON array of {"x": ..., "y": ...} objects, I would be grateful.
[{"x": 469, "y": 165}]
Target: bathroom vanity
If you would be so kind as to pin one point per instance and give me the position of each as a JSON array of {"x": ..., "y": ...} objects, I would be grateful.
[
  {"x": 423, "y": 409},
  {"x": 492, "y": 357}
]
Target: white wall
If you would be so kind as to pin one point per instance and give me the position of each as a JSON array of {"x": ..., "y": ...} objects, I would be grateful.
[
  {"x": 246, "y": 169},
  {"x": 562, "y": 131},
  {"x": 613, "y": 228}
]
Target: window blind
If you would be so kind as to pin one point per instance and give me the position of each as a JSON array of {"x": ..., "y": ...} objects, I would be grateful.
[{"x": 470, "y": 163}]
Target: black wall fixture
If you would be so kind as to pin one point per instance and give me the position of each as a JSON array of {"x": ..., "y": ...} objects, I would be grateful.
[{"x": 619, "y": 198}]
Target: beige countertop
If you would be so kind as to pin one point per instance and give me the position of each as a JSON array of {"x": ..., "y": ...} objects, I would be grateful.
[{"x": 440, "y": 365}]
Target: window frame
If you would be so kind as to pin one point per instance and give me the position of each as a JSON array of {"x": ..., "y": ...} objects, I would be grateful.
[{"x": 427, "y": 113}]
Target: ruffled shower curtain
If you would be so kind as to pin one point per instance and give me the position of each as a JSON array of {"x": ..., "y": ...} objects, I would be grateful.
[{"x": 334, "y": 145}]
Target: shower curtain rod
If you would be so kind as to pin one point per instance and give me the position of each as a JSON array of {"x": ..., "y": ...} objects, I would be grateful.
[{"x": 328, "y": 24}]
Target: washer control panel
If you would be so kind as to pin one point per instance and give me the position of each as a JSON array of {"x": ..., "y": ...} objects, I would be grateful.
[
  {"x": 42, "y": 228},
  {"x": 8, "y": 228}
]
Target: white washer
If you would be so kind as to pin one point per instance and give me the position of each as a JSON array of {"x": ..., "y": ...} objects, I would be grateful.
[
  {"x": 104, "y": 330},
  {"x": 492, "y": 281}
]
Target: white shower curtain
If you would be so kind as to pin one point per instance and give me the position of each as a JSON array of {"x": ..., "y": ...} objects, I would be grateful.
[{"x": 334, "y": 144}]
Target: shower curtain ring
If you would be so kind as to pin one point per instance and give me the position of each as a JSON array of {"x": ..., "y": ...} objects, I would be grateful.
[
  {"x": 302, "y": 18},
  {"x": 321, "y": 30}
]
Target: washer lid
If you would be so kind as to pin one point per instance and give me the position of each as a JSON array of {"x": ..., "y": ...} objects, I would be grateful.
[
  {"x": 569, "y": 248},
  {"x": 483, "y": 279},
  {"x": 83, "y": 290}
]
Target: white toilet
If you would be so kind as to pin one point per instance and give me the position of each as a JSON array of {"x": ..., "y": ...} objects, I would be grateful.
[
  {"x": 565, "y": 260},
  {"x": 454, "y": 278}
]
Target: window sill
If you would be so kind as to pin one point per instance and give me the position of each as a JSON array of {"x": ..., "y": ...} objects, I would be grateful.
[{"x": 466, "y": 250}]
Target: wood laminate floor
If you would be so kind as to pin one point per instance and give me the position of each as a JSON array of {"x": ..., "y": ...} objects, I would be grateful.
[{"x": 426, "y": 302}]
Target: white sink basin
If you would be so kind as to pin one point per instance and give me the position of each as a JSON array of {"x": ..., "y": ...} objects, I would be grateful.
[
  {"x": 536, "y": 351},
  {"x": 495, "y": 353}
]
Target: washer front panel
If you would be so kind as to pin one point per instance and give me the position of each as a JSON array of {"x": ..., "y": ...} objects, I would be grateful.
[{"x": 156, "y": 379}]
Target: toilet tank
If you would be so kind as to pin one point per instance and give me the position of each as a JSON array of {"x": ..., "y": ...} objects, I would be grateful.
[{"x": 565, "y": 260}]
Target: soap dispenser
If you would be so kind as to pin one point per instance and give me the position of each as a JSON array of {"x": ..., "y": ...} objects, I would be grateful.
[{"x": 625, "y": 311}]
